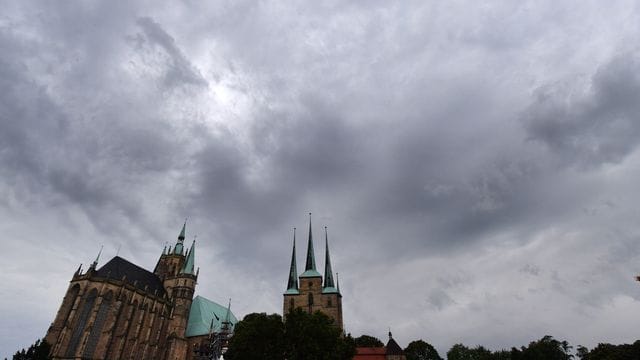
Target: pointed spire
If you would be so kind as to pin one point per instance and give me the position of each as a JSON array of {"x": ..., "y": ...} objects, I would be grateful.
[
  {"x": 310, "y": 265},
  {"x": 95, "y": 262},
  {"x": 227, "y": 317},
  {"x": 292, "y": 284},
  {"x": 189, "y": 264},
  {"x": 179, "y": 248},
  {"x": 328, "y": 273},
  {"x": 338, "y": 282}
]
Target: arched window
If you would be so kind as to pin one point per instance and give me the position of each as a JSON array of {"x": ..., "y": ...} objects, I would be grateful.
[
  {"x": 96, "y": 331},
  {"x": 310, "y": 302},
  {"x": 69, "y": 300},
  {"x": 81, "y": 322},
  {"x": 291, "y": 304},
  {"x": 329, "y": 304}
]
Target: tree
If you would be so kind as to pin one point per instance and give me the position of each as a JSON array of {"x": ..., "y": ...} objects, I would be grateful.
[
  {"x": 547, "y": 348},
  {"x": 37, "y": 351},
  {"x": 301, "y": 336},
  {"x": 315, "y": 336},
  {"x": 421, "y": 350},
  {"x": 368, "y": 341},
  {"x": 257, "y": 336}
]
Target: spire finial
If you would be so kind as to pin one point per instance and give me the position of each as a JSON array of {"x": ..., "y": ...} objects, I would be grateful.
[
  {"x": 328, "y": 272},
  {"x": 292, "y": 283},
  {"x": 179, "y": 248},
  {"x": 95, "y": 262}
]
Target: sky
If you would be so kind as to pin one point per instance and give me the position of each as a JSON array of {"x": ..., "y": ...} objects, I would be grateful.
[{"x": 476, "y": 163}]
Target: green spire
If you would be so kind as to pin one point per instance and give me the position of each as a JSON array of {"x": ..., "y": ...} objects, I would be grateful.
[
  {"x": 310, "y": 266},
  {"x": 329, "y": 286},
  {"x": 179, "y": 248},
  {"x": 95, "y": 262},
  {"x": 189, "y": 264},
  {"x": 292, "y": 284}
]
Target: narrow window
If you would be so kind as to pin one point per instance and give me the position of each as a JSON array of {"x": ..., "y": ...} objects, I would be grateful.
[
  {"x": 96, "y": 331},
  {"x": 81, "y": 323}
]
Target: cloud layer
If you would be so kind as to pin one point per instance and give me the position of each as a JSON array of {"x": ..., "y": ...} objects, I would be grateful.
[{"x": 476, "y": 165}]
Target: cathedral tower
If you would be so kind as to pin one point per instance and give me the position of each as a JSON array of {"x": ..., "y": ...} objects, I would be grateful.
[{"x": 308, "y": 291}]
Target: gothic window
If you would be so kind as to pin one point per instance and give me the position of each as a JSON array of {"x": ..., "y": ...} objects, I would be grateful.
[
  {"x": 310, "y": 284},
  {"x": 329, "y": 304},
  {"x": 81, "y": 322},
  {"x": 103, "y": 311},
  {"x": 71, "y": 298},
  {"x": 291, "y": 304}
]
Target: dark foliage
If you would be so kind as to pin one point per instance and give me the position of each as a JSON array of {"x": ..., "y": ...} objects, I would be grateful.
[
  {"x": 421, "y": 350},
  {"x": 302, "y": 337},
  {"x": 38, "y": 351},
  {"x": 368, "y": 341}
]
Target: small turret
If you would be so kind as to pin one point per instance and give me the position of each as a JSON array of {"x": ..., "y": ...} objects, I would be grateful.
[
  {"x": 292, "y": 284},
  {"x": 329, "y": 286},
  {"x": 179, "y": 248},
  {"x": 189, "y": 264},
  {"x": 310, "y": 265},
  {"x": 94, "y": 264}
]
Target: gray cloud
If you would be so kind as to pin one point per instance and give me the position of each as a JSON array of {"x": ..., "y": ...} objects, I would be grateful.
[{"x": 455, "y": 165}]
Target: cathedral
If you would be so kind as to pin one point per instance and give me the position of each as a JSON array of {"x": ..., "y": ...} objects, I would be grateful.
[
  {"x": 308, "y": 291},
  {"x": 122, "y": 311}
]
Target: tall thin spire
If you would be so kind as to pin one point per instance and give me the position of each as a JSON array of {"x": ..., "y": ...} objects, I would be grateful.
[
  {"x": 292, "y": 284},
  {"x": 328, "y": 273},
  {"x": 310, "y": 265},
  {"x": 189, "y": 264},
  {"x": 179, "y": 248},
  {"x": 338, "y": 282},
  {"x": 95, "y": 262}
]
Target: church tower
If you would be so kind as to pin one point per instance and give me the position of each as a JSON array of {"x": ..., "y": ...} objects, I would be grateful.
[{"x": 308, "y": 291}]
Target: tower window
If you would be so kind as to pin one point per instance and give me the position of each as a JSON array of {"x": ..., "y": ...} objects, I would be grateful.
[{"x": 329, "y": 304}]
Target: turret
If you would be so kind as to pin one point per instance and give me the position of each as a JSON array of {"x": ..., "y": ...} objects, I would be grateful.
[
  {"x": 329, "y": 286},
  {"x": 292, "y": 284},
  {"x": 310, "y": 265}
]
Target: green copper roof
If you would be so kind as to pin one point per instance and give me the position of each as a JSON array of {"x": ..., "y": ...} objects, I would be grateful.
[
  {"x": 330, "y": 290},
  {"x": 178, "y": 249},
  {"x": 190, "y": 263},
  {"x": 328, "y": 273},
  {"x": 310, "y": 266},
  {"x": 203, "y": 313},
  {"x": 292, "y": 284}
]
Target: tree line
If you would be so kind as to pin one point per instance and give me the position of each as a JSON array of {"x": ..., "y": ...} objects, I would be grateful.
[{"x": 304, "y": 336}]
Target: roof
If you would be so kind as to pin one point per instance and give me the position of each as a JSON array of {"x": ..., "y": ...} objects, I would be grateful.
[
  {"x": 393, "y": 348},
  {"x": 370, "y": 353},
  {"x": 117, "y": 268},
  {"x": 202, "y": 312}
]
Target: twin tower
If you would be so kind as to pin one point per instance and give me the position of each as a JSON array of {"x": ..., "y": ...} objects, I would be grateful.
[{"x": 307, "y": 291}]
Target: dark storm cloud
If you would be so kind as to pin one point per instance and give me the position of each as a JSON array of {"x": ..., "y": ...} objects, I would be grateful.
[
  {"x": 594, "y": 122},
  {"x": 432, "y": 139}
]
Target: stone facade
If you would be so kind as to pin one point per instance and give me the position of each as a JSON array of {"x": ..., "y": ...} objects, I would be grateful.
[
  {"x": 122, "y": 311},
  {"x": 308, "y": 291}
]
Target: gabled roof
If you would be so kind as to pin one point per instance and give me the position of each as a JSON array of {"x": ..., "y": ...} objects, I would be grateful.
[
  {"x": 393, "y": 348},
  {"x": 117, "y": 268},
  {"x": 203, "y": 312}
]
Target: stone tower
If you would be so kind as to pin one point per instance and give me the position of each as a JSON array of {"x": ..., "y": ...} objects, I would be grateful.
[{"x": 308, "y": 291}]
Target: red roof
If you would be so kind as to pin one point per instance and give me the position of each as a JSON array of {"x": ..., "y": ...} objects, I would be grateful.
[{"x": 370, "y": 353}]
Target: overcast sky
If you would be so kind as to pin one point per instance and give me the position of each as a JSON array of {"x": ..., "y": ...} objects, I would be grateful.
[{"x": 476, "y": 163}]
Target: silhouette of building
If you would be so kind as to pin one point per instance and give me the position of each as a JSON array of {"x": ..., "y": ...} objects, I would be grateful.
[
  {"x": 392, "y": 351},
  {"x": 122, "y": 311},
  {"x": 311, "y": 294}
]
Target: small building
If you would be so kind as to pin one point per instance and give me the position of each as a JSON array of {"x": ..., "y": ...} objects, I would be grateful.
[{"x": 392, "y": 351}]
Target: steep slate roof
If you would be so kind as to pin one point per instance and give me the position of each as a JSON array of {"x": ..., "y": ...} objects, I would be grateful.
[
  {"x": 202, "y": 312},
  {"x": 393, "y": 348},
  {"x": 118, "y": 267}
]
